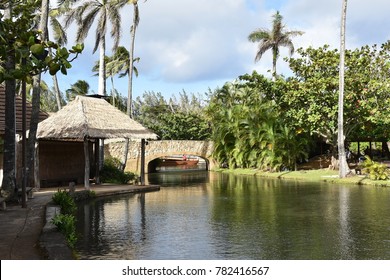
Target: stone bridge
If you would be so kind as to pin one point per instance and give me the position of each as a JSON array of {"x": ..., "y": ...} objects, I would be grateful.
[{"x": 158, "y": 149}]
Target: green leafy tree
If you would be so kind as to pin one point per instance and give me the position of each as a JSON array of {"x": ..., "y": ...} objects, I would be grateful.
[
  {"x": 311, "y": 98},
  {"x": 273, "y": 40},
  {"x": 171, "y": 120},
  {"x": 25, "y": 54}
]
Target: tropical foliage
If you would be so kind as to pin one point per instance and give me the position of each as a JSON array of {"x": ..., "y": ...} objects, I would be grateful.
[
  {"x": 248, "y": 129},
  {"x": 312, "y": 94},
  {"x": 375, "y": 170},
  {"x": 177, "y": 119},
  {"x": 112, "y": 173}
]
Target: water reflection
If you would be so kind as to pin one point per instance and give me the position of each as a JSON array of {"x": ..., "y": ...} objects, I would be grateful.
[{"x": 204, "y": 215}]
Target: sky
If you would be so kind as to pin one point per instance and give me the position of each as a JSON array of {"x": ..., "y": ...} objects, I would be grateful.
[{"x": 197, "y": 45}]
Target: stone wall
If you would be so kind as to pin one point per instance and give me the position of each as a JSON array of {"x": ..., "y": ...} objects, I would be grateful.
[{"x": 157, "y": 149}]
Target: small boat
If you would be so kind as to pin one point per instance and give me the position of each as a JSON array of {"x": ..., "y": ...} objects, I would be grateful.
[{"x": 176, "y": 162}]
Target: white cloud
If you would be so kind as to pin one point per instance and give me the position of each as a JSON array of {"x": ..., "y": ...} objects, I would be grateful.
[{"x": 188, "y": 43}]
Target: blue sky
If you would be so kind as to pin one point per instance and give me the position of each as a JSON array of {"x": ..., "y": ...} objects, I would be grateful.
[{"x": 196, "y": 45}]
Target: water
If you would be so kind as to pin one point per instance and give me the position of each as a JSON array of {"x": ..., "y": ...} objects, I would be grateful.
[{"x": 200, "y": 215}]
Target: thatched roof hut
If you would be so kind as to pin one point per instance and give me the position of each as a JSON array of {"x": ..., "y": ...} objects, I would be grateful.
[
  {"x": 93, "y": 118},
  {"x": 88, "y": 118}
]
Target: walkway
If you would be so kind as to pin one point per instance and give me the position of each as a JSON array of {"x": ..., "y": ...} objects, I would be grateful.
[{"x": 21, "y": 228}]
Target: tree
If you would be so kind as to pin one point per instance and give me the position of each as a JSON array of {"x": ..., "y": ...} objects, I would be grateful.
[
  {"x": 36, "y": 96},
  {"x": 21, "y": 43},
  {"x": 106, "y": 12},
  {"x": 60, "y": 37},
  {"x": 273, "y": 40},
  {"x": 9, "y": 57},
  {"x": 311, "y": 94},
  {"x": 133, "y": 30},
  {"x": 343, "y": 166},
  {"x": 116, "y": 64},
  {"x": 80, "y": 87},
  {"x": 248, "y": 128},
  {"x": 131, "y": 59},
  {"x": 171, "y": 120}
]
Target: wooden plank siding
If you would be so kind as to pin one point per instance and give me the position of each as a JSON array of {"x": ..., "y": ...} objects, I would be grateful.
[{"x": 18, "y": 108}]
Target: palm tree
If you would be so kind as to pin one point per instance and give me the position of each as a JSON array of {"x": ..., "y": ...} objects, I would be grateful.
[
  {"x": 343, "y": 166},
  {"x": 133, "y": 30},
  {"x": 107, "y": 12},
  {"x": 36, "y": 100},
  {"x": 81, "y": 87},
  {"x": 273, "y": 40},
  {"x": 117, "y": 64},
  {"x": 60, "y": 37}
]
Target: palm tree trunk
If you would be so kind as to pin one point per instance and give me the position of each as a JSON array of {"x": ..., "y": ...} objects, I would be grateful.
[
  {"x": 102, "y": 91},
  {"x": 274, "y": 59},
  {"x": 9, "y": 159},
  {"x": 131, "y": 62},
  {"x": 343, "y": 166},
  {"x": 102, "y": 67},
  {"x": 36, "y": 99},
  {"x": 113, "y": 90},
  {"x": 87, "y": 163},
  {"x": 57, "y": 92},
  {"x": 129, "y": 110}
]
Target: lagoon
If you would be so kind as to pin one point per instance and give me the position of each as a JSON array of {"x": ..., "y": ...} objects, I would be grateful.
[{"x": 209, "y": 215}]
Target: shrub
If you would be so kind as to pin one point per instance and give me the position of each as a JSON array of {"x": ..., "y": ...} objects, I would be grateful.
[
  {"x": 65, "y": 201},
  {"x": 375, "y": 170},
  {"x": 66, "y": 221},
  {"x": 66, "y": 224},
  {"x": 112, "y": 173}
]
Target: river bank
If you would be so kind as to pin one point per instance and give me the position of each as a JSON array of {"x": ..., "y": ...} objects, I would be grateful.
[{"x": 315, "y": 175}]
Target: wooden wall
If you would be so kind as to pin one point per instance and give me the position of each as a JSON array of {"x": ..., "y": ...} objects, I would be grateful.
[{"x": 61, "y": 162}]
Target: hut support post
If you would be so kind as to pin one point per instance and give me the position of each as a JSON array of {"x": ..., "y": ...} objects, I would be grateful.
[
  {"x": 143, "y": 143},
  {"x": 87, "y": 166},
  {"x": 97, "y": 161}
]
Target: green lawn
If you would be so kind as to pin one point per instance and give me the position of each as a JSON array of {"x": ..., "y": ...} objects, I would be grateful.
[{"x": 324, "y": 175}]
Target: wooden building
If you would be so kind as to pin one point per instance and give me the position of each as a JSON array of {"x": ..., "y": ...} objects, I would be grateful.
[
  {"x": 18, "y": 118},
  {"x": 68, "y": 139}
]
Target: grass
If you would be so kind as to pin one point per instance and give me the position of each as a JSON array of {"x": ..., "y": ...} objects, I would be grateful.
[{"x": 316, "y": 175}]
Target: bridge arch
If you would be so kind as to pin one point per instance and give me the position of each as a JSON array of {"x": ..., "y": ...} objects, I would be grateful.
[{"x": 160, "y": 148}]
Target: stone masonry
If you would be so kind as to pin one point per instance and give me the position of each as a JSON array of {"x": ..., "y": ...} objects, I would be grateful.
[{"x": 157, "y": 149}]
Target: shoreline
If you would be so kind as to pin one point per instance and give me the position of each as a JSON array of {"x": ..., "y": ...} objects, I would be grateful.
[{"x": 314, "y": 175}]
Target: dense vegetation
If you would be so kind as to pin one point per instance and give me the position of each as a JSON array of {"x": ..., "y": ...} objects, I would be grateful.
[{"x": 255, "y": 122}]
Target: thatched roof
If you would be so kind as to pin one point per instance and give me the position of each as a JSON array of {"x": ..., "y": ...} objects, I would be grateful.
[{"x": 94, "y": 118}]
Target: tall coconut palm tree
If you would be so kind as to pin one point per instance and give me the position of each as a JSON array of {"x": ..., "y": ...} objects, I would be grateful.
[
  {"x": 343, "y": 166},
  {"x": 81, "y": 87},
  {"x": 273, "y": 40},
  {"x": 133, "y": 30},
  {"x": 106, "y": 12},
  {"x": 36, "y": 100},
  {"x": 117, "y": 64},
  {"x": 60, "y": 37}
]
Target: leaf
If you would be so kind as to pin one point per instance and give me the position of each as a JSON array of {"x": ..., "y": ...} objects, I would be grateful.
[{"x": 37, "y": 49}]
